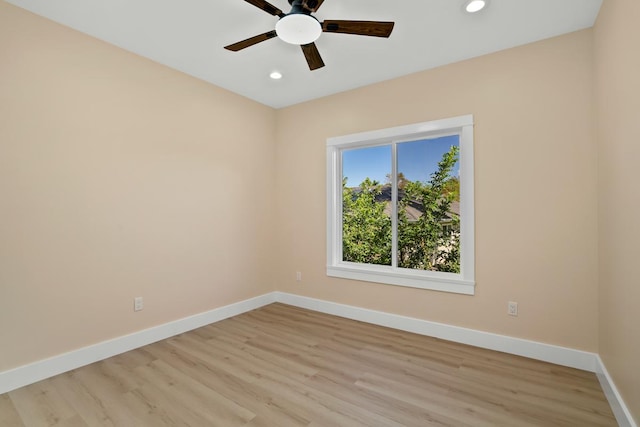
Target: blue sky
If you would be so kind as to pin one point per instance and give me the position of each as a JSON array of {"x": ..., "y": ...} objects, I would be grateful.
[{"x": 416, "y": 159}]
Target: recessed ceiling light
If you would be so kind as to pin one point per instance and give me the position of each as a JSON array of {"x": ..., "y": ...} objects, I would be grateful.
[
  {"x": 473, "y": 6},
  {"x": 276, "y": 75}
]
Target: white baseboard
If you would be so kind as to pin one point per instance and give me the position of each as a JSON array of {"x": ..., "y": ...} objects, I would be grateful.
[
  {"x": 37, "y": 371},
  {"x": 535, "y": 350},
  {"x": 619, "y": 408}
]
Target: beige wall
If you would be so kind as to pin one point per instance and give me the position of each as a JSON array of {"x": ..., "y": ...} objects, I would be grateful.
[
  {"x": 120, "y": 178},
  {"x": 536, "y": 200},
  {"x": 617, "y": 65}
]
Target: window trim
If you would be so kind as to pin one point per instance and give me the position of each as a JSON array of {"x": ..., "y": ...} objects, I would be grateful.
[{"x": 463, "y": 283}]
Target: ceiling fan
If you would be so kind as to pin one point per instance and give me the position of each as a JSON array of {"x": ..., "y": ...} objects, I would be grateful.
[{"x": 300, "y": 27}]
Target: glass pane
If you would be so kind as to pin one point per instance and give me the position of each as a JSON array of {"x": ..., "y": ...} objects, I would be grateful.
[
  {"x": 366, "y": 205},
  {"x": 429, "y": 204}
]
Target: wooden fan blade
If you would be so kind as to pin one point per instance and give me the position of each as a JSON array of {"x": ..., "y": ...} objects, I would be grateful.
[
  {"x": 267, "y": 7},
  {"x": 313, "y": 56},
  {"x": 251, "y": 41},
  {"x": 312, "y": 5},
  {"x": 362, "y": 28}
]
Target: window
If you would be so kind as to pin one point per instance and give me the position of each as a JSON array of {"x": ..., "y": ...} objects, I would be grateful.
[{"x": 400, "y": 206}]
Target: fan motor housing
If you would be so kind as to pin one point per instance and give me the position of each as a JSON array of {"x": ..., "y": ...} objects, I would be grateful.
[{"x": 297, "y": 8}]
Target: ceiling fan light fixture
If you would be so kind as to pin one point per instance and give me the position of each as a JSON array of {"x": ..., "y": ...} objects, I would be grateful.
[
  {"x": 473, "y": 6},
  {"x": 298, "y": 29}
]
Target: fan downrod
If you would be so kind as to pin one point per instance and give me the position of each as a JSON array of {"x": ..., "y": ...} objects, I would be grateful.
[{"x": 297, "y": 7}]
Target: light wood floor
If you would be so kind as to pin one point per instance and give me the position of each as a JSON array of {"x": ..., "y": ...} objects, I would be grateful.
[{"x": 283, "y": 366}]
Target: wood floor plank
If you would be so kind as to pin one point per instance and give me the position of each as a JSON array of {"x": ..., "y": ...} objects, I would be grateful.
[
  {"x": 8, "y": 414},
  {"x": 438, "y": 405},
  {"x": 286, "y": 366},
  {"x": 157, "y": 408},
  {"x": 388, "y": 407},
  {"x": 251, "y": 396},
  {"x": 41, "y": 404},
  {"x": 191, "y": 394},
  {"x": 324, "y": 408}
]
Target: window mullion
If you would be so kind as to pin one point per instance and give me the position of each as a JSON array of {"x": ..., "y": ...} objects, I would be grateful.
[
  {"x": 394, "y": 206},
  {"x": 337, "y": 182}
]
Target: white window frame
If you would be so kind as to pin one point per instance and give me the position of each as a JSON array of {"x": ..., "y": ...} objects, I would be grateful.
[{"x": 462, "y": 283}]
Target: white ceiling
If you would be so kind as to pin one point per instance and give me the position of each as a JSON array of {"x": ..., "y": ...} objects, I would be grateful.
[{"x": 189, "y": 35}]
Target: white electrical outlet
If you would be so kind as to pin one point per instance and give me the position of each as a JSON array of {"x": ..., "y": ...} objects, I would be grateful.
[
  {"x": 138, "y": 304},
  {"x": 512, "y": 308},
  {"x": 298, "y": 276}
]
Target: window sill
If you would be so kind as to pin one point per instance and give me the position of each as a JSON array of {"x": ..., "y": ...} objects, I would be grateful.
[{"x": 403, "y": 277}]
